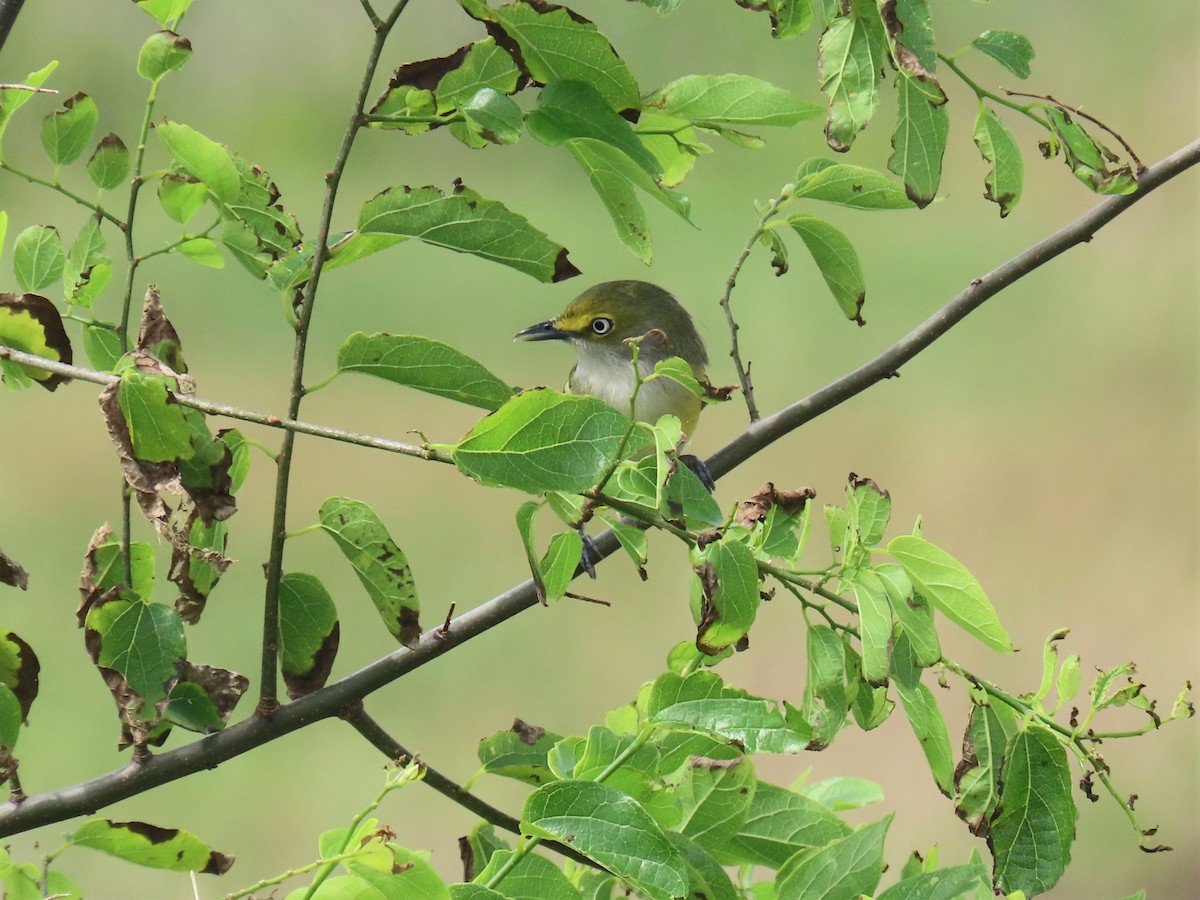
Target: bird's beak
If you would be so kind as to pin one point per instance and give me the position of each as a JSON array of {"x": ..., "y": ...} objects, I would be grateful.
[{"x": 542, "y": 331}]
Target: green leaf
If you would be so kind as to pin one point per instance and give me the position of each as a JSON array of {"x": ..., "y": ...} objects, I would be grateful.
[
  {"x": 485, "y": 65},
  {"x": 716, "y": 100},
  {"x": 67, "y": 132},
  {"x": 638, "y": 774},
  {"x": 610, "y": 828},
  {"x": 162, "y": 53},
  {"x": 542, "y": 440},
  {"x": 575, "y": 109},
  {"x": 729, "y": 583},
  {"x": 10, "y": 719},
  {"x": 945, "y": 582},
  {"x": 151, "y": 846},
  {"x": 13, "y": 98},
  {"x": 919, "y": 140},
  {"x": 19, "y": 668},
  {"x": 1088, "y": 158},
  {"x": 533, "y": 877},
  {"x": 1011, "y": 50},
  {"x": 1066, "y": 686},
  {"x": 102, "y": 346},
  {"x": 203, "y": 251},
  {"x": 87, "y": 269},
  {"x": 109, "y": 567},
  {"x": 875, "y": 626},
  {"x": 836, "y": 258},
  {"x": 181, "y": 196},
  {"x": 756, "y": 724},
  {"x": 424, "y": 364},
  {"x": 613, "y": 175},
  {"x": 381, "y": 566},
  {"x": 778, "y": 824},
  {"x": 493, "y": 116},
  {"x": 558, "y": 44},
  {"x": 38, "y": 257},
  {"x": 165, "y": 12},
  {"x": 559, "y": 564},
  {"x": 944, "y": 884},
  {"x": 853, "y": 186},
  {"x": 852, "y": 52},
  {"x": 1006, "y": 176},
  {"x": 203, "y": 158},
  {"x": 714, "y": 797},
  {"x": 844, "y": 792},
  {"x": 870, "y": 508},
  {"x": 157, "y": 425},
  {"x": 924, "y": 716},
  {"x": 31, "y": 323},
  {"x": 826, "y": 702},
  {"x": 108, "y": 165},
  {"x": 706, "y": 878},
  {"x": 519, "y": 753},
  {"x": 912, "y": 612},
  {"x": 842, "y": 870},
  {"x": 466, "y": 223},
  {"x": 142, "y": 641},
  {"x": 977, "y": 777},
  {"x": 1034, "y": 825},
  {"x": 308, "y": 633}
]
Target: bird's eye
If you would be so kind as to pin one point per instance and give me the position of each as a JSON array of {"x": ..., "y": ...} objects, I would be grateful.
[{"x": 602, "y": 325}]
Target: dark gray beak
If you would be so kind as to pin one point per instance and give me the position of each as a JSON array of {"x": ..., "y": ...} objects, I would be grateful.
[{"x": 542, "y": 331}]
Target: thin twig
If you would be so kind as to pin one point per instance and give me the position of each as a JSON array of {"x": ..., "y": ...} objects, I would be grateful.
[
  {"x": 69, "y": 194},
  {"x": 1079, "y": 112},
  {"x": 136, "y": 778},
  {"x": 379, "y": 738},
  {"x": 268, "y": 685},
  {"x": 235, "y": 412}
]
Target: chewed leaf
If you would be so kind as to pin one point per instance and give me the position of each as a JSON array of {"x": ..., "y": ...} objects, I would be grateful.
[
  {"x": 425, "y": 364},
  {"x": 999, "y": 148},
  {"x": 380, "y": 565},
  {"x": 729, "y": 584}
]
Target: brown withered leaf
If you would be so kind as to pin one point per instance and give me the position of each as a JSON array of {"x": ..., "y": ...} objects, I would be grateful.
[
  {"x": 146, "y": 479},
  {"x": 720, "y": 394},
  {"x": 12, "y": 572},
  {"x": 192, "y": 599},
  {"x": 529, "y": 734},
  {"x": 223, "y": 687},
  {"x": 136, "y": 730},
  {"x": 44, "y": 313},
  {"x": 89, "y": 588},
  {"x": 754, "y": 509},
  {"x": 708, "y": 609},
  {"x": 157, "y": 335}
]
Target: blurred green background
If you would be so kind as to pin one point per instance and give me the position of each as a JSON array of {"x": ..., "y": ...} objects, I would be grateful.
[{"x": 1050, "y": 441}]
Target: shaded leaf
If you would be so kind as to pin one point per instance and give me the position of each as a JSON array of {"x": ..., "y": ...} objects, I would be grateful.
[
  {"x": 575, "y": 109},
  {"x": 1033, "y": 826},
  {"x": 109, "y": 164},
  {"x": 919, "y": 140},
  {"x": 923, "y": 714},
  {"x": 838, "y": 261},
  {"x": 610, "y": 828},
  {"x": 729, "y": 582},
  {"x": 842, "y": 870},
  {"x": 162, "y": 53},
  {"x": 778, "y": 824}
]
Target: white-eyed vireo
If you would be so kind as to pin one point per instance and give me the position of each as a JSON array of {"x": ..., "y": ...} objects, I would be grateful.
[{"x": 598, "y": 322}]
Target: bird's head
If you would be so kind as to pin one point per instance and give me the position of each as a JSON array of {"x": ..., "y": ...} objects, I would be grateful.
[{"x": 602, "y": 318}]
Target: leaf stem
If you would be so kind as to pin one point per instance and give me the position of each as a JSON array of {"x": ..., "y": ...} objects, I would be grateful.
[
  {"x": 33, "y": 179},
  {"x": 982, "y": 92}
]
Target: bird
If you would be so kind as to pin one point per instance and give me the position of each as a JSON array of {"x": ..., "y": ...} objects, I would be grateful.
[{"x": 599, "y": 323}]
